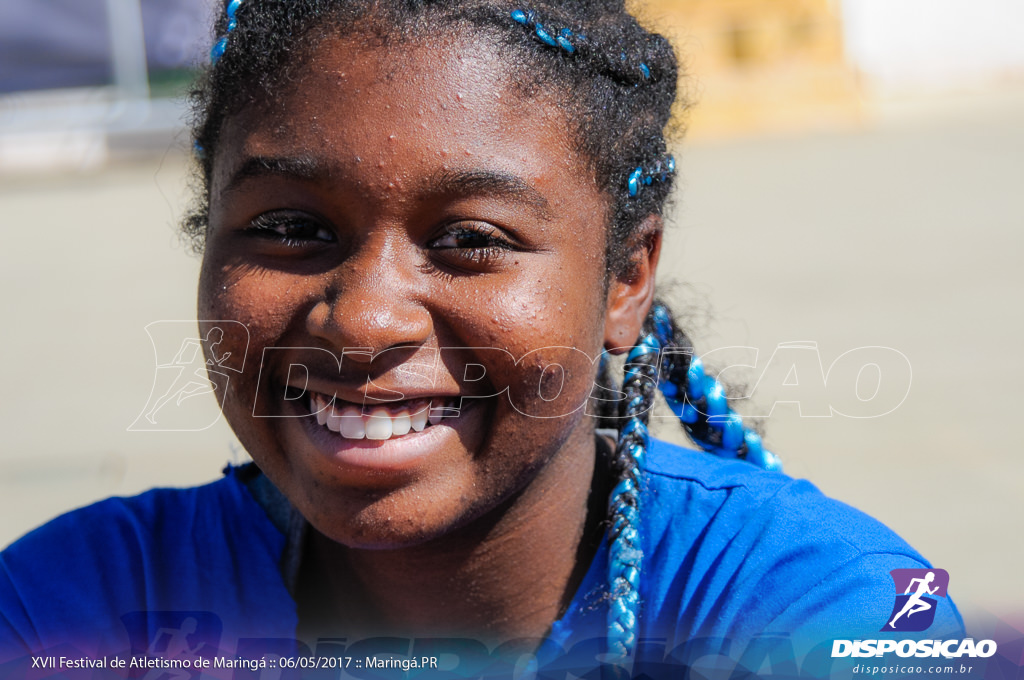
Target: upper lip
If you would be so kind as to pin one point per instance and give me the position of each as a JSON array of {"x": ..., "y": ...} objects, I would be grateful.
[{"x": 384, "y": 394}]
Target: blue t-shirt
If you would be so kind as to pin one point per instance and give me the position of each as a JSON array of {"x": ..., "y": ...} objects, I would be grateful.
[{"x": 732, "y": 554}]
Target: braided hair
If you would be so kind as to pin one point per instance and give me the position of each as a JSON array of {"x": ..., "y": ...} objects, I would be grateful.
[{"x": 617, "y": 83}]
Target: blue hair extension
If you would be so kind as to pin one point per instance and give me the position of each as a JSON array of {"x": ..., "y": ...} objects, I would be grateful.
[
  {"x": 217, "y": 51},
  {"x": 661, "y": 171},
  {"x": 700, "y": 403},
  {"x": 625, "y": 555},
  {"x": 563, "y": 39}
]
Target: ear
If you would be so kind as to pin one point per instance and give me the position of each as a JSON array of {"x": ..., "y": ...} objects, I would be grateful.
[{"x": 631, "y": 292}]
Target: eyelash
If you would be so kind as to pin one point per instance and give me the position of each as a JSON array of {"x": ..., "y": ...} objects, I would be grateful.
[
  {"x": 294, "y": 230},
  {"x": 490, "y": 246},
  {"x": 474, "y": 245}
]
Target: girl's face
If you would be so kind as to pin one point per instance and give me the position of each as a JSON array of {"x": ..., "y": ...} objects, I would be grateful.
[{"x": 404, "y": 213}]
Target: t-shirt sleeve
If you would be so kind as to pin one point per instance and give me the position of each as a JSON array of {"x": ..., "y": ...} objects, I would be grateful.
[
  {"x": 817, "y": 569},
  {"x": 104, "y": 578},
  {"x": 737, "y": 554}
]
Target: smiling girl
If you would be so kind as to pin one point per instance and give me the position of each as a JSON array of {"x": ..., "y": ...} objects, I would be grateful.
[{"x": 436, "y": 220}]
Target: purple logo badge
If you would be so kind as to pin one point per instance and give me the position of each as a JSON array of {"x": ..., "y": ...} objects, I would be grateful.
[{"x": 917, "y": 591}]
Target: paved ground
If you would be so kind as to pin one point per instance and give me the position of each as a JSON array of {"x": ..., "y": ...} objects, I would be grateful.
[{"x": 905, "y": 235}]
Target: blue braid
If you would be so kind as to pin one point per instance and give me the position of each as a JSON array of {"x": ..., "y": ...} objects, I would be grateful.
[
  {"x": 217, "y": 51},
  {"x": 699, "y": 401},
  {"x": 625, "y": 556},
  {"x": 569, "y": 42},
  {"x": 661, "y": 171},
  {"x": 564, "y": 39}
]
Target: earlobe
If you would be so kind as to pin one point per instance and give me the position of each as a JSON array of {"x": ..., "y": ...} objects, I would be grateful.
[{"x": 631, "y": 292}]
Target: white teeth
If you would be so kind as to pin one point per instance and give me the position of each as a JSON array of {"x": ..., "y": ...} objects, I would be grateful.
[
  {"x": 333, "y": 419},
  {"x": 352, "y": 426},
  {"x": 321, "y": 408},
  {"x": 435, "y": 415},
  {"x": 378, "y": 425},
  {"x": 400, "y": 424},
  {"x": 418, "y": 420}
]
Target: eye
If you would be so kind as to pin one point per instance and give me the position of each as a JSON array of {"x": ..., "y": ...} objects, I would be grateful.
[
  {"x": 290, "y": 228},
  {"x": 472, "y": 244}
]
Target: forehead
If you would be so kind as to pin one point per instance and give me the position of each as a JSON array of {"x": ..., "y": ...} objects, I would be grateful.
[{"x": 411, "y": 107}]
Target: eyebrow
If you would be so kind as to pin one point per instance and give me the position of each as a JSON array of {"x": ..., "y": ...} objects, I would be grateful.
[
  {"x": 490, "y": 183},
  {"x": 307, "y": 168}
]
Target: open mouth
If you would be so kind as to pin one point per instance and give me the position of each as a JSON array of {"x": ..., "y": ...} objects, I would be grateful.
[{"x": 396, "y": 419}]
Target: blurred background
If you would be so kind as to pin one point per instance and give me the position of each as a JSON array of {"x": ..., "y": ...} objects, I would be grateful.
[{"x": 851, "y": 178}]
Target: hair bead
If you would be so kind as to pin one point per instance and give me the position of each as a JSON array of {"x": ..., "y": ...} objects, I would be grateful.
[
  {"x": 217, "y": 51},
  {"x": 639, "y": 453},
  {"x": 560, "y": 38},
  {"x": 753, "y": 442},
  {"x": 662, "y": 321},
  {"x": 757, "y": 455},
  {"x": 732, "y": 432},
  {"x": 563, "y": 40},
  {"x": 635, "y": 428},
  {"x": 637, "y": 403},
  {"x": 544, "y": 36},
  {"x": 634, "y": 182},
  {"x": 695, "y": 379},
  {"x": 632, "y": 576},
  {"x": 714, "y": 396},
  {"x": 647, "y": 345},
  {"x": 661, "y": 171},
  {"x": 219, "y": 47},
  {"x": 689, "y": 415}
]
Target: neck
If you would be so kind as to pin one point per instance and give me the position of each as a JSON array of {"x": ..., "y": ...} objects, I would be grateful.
[{"x": 507, "y": 575}]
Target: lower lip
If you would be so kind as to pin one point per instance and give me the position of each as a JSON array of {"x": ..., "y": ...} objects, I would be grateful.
[{"x": 398, "y": 454}]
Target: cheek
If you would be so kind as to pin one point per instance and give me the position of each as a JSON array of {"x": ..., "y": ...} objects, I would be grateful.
[
  {"x": 551, "y": 382},
  {"x": 267, "y": 302},
  {"x": 547, "y": 345},
  {"x": 266, "y": 306}
]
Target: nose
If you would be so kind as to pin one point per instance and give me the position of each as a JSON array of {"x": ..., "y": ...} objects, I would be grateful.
[{"x": 372, "y": 302}]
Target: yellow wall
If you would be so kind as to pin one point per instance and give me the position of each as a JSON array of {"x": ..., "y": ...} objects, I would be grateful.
[{"x": 759, "y": 65}]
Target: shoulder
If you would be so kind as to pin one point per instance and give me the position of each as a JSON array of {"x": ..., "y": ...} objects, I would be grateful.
[
  {"x": 734, "y": 552},
  {"x": 75, "y": 578},
  {"x": 737, "y": 498}
]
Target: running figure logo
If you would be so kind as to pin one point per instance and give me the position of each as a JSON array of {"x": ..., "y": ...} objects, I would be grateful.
[
  {"x": 914, "y": 610},
  {"x": 188, "y": 366}
]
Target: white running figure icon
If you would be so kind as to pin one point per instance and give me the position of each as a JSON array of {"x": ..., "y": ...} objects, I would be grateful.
[
  {"x": 172, "y": 643},
  {"x": 192, "y": 384},
  {"x": 915, "y": 604}
]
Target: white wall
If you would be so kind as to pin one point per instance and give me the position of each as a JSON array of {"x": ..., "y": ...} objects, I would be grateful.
[{"x": 935, "y": 44}]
